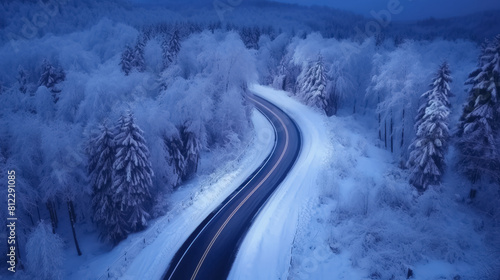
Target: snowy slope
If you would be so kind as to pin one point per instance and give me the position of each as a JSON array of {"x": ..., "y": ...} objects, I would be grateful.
[
  {"x": 347, "y": 211},
  {"x": 368, "y": 222},
  {"x": 265, "y": 252},
  {"x": 146, "y": 255}
]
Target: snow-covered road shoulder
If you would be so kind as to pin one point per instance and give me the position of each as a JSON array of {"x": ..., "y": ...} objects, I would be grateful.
[
  {"x": 146, "y": 255},
  {"x": 265, "y": 252}
]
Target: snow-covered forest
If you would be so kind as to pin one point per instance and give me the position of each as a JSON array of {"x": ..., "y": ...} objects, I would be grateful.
[{"x": 109, "y": 108}]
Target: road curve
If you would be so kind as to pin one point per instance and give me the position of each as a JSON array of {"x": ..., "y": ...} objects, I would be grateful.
[{"x": 210, "y": 250}]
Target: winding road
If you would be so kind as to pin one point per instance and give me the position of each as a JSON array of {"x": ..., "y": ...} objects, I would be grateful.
[{"x": 210, "y": 250}]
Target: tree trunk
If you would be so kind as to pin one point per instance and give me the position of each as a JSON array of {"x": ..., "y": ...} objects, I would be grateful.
[
  {"x": 38, "y": 210},
  {"x": 403, "y": 132},
  {"x": 72, "y": 219},
  {"x": 336, "y": 106},
  {"x": 379, "y": 127},
  {"x": 385, "y": 134},
  {"x": 402, "y": 158},
  {"x": 31, "y": 218},
  {"x": 392, "y": 134},
  {"x": 379, "y": 123},
  {"x": 196, "y": 163},
  {"x": 52, "y": 218},
  {"x": 56, "y": 219}
]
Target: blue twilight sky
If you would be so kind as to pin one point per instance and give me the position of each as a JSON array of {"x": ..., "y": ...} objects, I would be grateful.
[{"x": 412, "y": 9}]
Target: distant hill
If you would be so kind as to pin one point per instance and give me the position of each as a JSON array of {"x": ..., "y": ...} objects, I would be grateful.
[{"x": 298, "y": 20}]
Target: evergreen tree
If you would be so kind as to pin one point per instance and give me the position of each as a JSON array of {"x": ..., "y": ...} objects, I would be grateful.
[
  {"x": 427, "y": 151},
  {"x": 479, "y": 124},
  {"x": 126, "y": 60},
  {"x": 176, "y": 158},
  {"x": 279, "y": 81},
  {"x": 51, "y": 76},
  {"x": 171, "y": 48},
  {"x": 250, "y": 37},
  {"x": 292, "y": 72},
  {"x": 22, "y": 79},
  {"x": 132, "y": 178},
  {"x": 116, "y": 225},
  {"x": 101, "y": 152},
  {"x": 138, "y": 61},
  {"x": 133, "y": 58},
  {"x": 191, "y": 151},
  {"x": 312, "y": 85},
  {"x": 184, "y": 149}
]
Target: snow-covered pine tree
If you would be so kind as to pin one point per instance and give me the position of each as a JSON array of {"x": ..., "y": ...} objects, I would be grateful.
[
  {"x": 101, "y": 151},
  {"x": 479, "y": 125},
  {"x": 280, "y": 78},
  {"x": 192, "y": 148},
  {"x": 126, "y": 60},
  {"x": 214, "y": 26},
  {"x": 292, "y": 72},
  {"x": 427, "y": 151},
  {"x": 164, "y": 50},
  {"x": 117, "y": 226},
  {"x": 22, "y": 79},
  {"x": 312, "y": 85},
  {"x": 51, "y": 76},
  {"x": 176, "y": 158},
  {"x": 171, "y": 47},
  {"x": 132, "y": 178},
  {"x": 138, "y": 61},
  {"x": 250, "y": 36}
]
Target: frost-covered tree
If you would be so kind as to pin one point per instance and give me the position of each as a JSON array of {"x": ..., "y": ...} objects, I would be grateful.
[
  {"x": 101, "y": 151},
  {"x": 287, "y": 74},
  {"x": 479, "y": 124},
  {"x": 427, "y": 151},
  {"x": 126, "y": 60},
  {"x": 184, "y": 149},
  {"x": 133, "y": 58},
  {"x": 192, "y": 148},
  {"x": 44, "y": 253},
  {"x": 138, "y": 61},
  {"x": 132, "y": 178},
  {"x": 393, "y": 86},
  {"x": 176, "y": 158},
  {"x": 280, "y": 77},
  {"x": 250, "y": 36},
  {"x": 171, "y": 47},
  {"x": 22, "y": 79},
  {"x": 117, "y": 225},
  {"x": 51, "y": 76},
  {"x": 338, "y": 88},
  {"x": 312, "y": 85}
]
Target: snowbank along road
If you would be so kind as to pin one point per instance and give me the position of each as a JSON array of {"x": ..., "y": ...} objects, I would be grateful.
[{"x": 210, "y": 250}]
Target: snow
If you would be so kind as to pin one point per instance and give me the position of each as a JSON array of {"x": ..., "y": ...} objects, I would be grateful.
[
  {"x": 346, "y": 211},
  {"x": 146, "y": 255},
  {"x": 349, "y": 213},
  {"x": 265, "y": 252}
]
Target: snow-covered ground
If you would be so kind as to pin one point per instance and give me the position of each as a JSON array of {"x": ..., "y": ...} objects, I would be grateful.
[
  {"x": 146, "y": 255},
  {"x": 368, "y": 223},
  {"x": 346, "y": 211}
]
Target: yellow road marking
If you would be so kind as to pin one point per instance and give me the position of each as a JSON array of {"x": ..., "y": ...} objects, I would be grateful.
[{"x": 200, "y": 263}]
